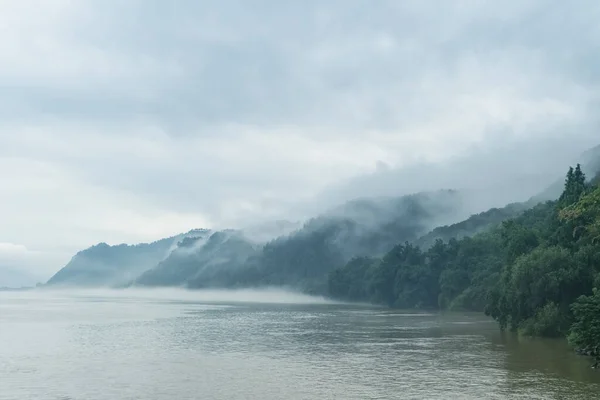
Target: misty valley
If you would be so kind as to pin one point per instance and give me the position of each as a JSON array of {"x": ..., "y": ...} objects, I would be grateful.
[
  {"x": 533, "y": 266},
  {"x": 412, "y": 297},
  {"x": 299, "y": 200}
]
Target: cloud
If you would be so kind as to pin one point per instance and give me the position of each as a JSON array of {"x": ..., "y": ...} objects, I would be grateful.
[
  {"x": 128, "y": 121},
  {"x": 11, "y": 248},
  {"x": 20, "y": 266},
  {"x": 488, "y": 176}
]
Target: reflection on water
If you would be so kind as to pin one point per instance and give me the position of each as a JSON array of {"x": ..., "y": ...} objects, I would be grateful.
[
  {"x": 545, "y": 356},
  {"x": 121, "y": 346}
]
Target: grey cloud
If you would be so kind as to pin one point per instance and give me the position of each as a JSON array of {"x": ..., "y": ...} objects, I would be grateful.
[
  {"x": 240, "y": 111},
  {"x": 336, "y": 63},
  {"x": 498, "y": 173}
]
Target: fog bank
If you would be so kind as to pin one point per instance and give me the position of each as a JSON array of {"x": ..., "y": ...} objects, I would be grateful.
[{"x": 262, "y": 295}]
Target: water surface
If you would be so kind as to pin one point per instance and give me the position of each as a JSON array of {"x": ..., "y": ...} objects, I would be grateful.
[{"x": 267, "y": 345}]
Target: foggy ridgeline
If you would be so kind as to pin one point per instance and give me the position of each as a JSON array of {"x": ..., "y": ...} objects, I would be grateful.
[{"x": 532, "y": 266}]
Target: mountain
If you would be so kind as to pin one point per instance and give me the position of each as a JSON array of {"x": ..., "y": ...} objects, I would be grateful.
[
  {"x": 370, "y": 227},
  {"x": 537, "y": 274},
  {"x": 299, "y": 256},
  {"x": 105, "y": 265},
  {"x": 486, "y": 220},
  {"x": 596, "y": 180},
  {"x": 459, "y": 266},
  {"x": 304, "y": 257},
  {"x": 473, "y": 225},
  {"x": 590, "y": 161},
  {"x": 266, "y": 231},
  {"x": 206, "y": 260}
]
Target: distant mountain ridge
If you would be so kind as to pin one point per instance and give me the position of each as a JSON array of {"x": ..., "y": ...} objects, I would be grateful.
[
  {"x": 301, "y": 255},
  {"x": 200, "y": 260},
  {"x": 473, "y": 225},
  {"x": 105, "y": 265},
  {"x": 304, "y": 256}
]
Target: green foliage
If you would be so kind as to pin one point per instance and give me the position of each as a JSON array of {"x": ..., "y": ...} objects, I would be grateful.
[
  {"x": 453, "y": 275},
  {"x": 534, "y": 273},
  {"x": 197, "y": 263},
  {"x": 550, "y": 263},
  {"x": 543, "y": 276},
  {"x": 414, "y": 281},
  {"x": 304, "y": 259},
  {"x": 574, "y": 187},
  {"x": 474, "y": 267},
  {"x": 584, "y": 217},
  {"x": 473, "y": 225},
  {"x": 532, "y": 270},
  {"x": 548, "y": 321},
  {"x": 348, "y": 283},
  {"x": 347, "y": 241},
  {"x": 518, "y": 239},
  {"x": 585, "y": 331}
]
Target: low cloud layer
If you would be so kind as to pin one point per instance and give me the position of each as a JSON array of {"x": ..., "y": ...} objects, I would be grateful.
[{"x": 129, "y": 121}]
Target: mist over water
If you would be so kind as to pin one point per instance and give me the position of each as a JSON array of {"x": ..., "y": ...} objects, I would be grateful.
[
  {"x": 271, "y": 344},
  {"x": 274, "y": 295}
]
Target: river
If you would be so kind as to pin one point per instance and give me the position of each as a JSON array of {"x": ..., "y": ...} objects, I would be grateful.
[{"x": 112, "y": 345}]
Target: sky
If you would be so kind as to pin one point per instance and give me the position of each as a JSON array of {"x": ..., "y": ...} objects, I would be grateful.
[{"x": 128, "y": 121}]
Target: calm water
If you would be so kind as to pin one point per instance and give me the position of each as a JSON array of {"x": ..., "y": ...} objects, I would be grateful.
[{"x": 181, "y": 345}]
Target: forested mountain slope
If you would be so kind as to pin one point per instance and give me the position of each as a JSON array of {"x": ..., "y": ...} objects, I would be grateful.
[
  {"x": 529, "y": 274},
  {"x": 214, "y": 260},
  {"x": 303, "y": 258},
  {"x": 367, "y": 227},
  {"x": 590, "y": 165},
  {"x": 105, "y": 265},
  {"x": 474, "y": 224},
  {"x": 489, "y": 219}
]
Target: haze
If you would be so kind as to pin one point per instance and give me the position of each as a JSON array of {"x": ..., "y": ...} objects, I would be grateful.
[
  {"x": 264, "y": 295},
  {"x": 132, "y": 121}
]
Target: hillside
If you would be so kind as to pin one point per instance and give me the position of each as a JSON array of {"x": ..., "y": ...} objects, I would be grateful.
[
  {"x": 212, "y": 260},
  {"x": 302, "y": 259},
  {"x": 487, "y": 220},
  {"x": 364, "y": 227},
  {"x": 473, "y": 225},
  {"x": 590, "y": 164},
  {"x": 105, "y": 265},
  {"x": 537, "y": 273},
  {"x": 302, "y": 256}
]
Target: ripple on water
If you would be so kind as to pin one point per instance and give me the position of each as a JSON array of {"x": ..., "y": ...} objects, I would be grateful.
[{"x": 144, "y": 348}]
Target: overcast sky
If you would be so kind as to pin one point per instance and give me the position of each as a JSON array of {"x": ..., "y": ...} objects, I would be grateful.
[{"x": 130, "y": 120}]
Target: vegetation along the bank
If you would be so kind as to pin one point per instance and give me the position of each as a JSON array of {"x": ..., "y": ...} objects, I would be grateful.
[{"x": 537, "y": 274}]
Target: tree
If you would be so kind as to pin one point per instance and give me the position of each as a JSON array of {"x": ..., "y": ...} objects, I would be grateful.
[
  {"x": 350, "y": 282},
  {"x": 533, "y": 281},
  {"x": 574, "y": 187},
  {"x": 534, "y": 273},
  {"x": 584, "y": 216},
  {"x": 518, "y": 239},
  {"x": 585, "y": 331}
]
